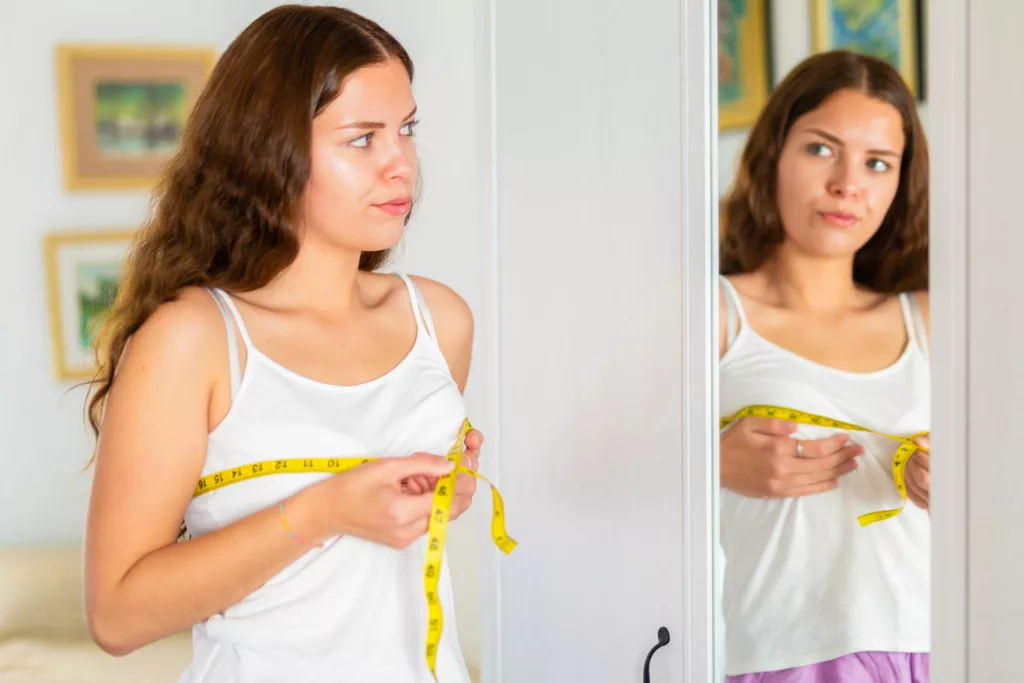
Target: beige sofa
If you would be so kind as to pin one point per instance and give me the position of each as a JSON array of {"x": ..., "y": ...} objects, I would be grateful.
[{"x": 43, "y": 636}]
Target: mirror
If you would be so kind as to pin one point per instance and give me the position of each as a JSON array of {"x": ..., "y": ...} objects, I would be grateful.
[{"x": 824, "y": 376}]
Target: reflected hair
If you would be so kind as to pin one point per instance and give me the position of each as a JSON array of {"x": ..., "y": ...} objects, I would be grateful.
[{"x": 895, "y": 259}]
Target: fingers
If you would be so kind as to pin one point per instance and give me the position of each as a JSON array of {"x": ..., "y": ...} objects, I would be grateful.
[
  {"x": 917, "y": 495},
  {"x": 474, "y": 440},
  {"x": 770, "y": 426},
  {"x": 465, "y": 485},
  {"x": 925, "y": 441},
  {"x": 422, "y": 484},
  {"x": 918, "y": 473},
  {"x": 820, "y": 476},
  {"x": 799, "y": 476},
  {"x": 922, "y": 460},
  {"x": 459, "y": 506},
  {"x": 412, "y": 486},
  {"x": 807, "y": 465},
  {"x": 822, "y": 448},
  {"x": 425, "y": 464}
]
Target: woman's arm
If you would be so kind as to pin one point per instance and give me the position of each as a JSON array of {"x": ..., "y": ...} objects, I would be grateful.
[{"x": 140, "y": 585}]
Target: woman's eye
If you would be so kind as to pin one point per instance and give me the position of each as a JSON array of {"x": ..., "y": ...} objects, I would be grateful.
[
  {"x": 818, "y": 149},
  {"x": 879, "y": 165},
  {"x": 362, "y": 141},
  {"x": 407, "y": 129}
]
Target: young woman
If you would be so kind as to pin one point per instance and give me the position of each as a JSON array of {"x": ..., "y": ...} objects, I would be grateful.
[
  {"x": 253, "y": 325},
  {"x": 824, "y": 309}
]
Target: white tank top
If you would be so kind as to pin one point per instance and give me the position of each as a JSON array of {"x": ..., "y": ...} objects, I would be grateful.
[
  {"x": 353, "y": 610},
  {"x": 803, "y": 581}
]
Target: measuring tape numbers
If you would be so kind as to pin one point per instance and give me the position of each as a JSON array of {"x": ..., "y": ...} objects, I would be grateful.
[
  {"x": 899, "y": 459},
  {"x": 437, "y": 529}
]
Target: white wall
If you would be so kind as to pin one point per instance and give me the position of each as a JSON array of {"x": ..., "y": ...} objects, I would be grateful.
[
  {"x": 42, "y": 430},
  {"x": 43, "y": 438},
  {"x": 790, "y": 22}
]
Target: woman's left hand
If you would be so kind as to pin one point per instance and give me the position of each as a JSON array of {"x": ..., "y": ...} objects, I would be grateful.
[
  {"x": 465, "y": 485},
  {"x": 917, "y": 475}
]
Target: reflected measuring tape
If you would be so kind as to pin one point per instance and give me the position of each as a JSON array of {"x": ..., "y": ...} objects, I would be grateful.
[
  {"x": 899, "y": 459},
  {"x": 437, "y": 530}
]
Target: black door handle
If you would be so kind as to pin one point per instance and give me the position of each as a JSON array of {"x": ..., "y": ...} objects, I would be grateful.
[{"x": 662, "y": 642}]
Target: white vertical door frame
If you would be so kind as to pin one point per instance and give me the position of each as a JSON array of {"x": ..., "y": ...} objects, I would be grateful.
[
  {"x": 699, "y": 54},
  {"x": 486, "y": 140},
  {"x": 947, "y": 77}
]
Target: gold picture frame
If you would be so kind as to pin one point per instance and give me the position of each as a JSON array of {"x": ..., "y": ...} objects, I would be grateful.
[
  {"x": 890, "y": 30},
  {"x": 83, "y": 272},
  {"x": 744, "y": 62},
  {"x": 122, "y": 109}
]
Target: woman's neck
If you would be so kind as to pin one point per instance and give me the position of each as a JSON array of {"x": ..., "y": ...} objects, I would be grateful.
[
  {"x": 322, "y": 278},
  {"x": 803, "y": 282}
]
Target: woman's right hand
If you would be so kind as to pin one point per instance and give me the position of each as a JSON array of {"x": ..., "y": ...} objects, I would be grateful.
[
  {"x": 371, "y": 502},
  {"x": 759, "y": 458}
]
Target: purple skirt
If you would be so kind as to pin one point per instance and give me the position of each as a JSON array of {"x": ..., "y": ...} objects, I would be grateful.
[{"x": 858, "y": 667}]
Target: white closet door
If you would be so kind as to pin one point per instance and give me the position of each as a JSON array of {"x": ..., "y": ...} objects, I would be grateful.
[{"x": 604, "y": 290}]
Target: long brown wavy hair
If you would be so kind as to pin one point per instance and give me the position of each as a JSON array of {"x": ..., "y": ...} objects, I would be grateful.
[
  {"x": 895, "y": 259},
  {"x": 224, "y": 213}
]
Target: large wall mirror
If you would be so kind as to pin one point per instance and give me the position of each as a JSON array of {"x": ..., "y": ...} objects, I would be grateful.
[{"x": 825, "y": 374}]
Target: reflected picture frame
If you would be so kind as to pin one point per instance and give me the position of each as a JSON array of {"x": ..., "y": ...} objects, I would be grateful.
[
  {"x": 894, "y": 33},
  {"x": 744, "y": 62},
  {"x": 83, "y": 274},
  {"x": 122, "y": 109}
]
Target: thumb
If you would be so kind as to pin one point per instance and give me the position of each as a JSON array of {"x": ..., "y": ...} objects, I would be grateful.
[{"x": 772, "y": 426}]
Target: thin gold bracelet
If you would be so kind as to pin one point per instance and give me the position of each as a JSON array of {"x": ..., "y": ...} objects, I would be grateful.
[{"x": 298, "y": 539}]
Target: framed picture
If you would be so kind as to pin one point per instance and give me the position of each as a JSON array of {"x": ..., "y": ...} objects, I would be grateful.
[
  {"x": 744, "y": 62},
  {"x": 123, "y": 109},
  {"x": 888, "y": 29},
  {"x": 83, "y": 272}
]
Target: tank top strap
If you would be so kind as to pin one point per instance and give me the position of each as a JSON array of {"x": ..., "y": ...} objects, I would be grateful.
[
  {"x": 735, "y": 318},
  {"x": 419, "y": 307},
  {"x": 914, "y": 321},
  {"x": 232, "y": 321}
]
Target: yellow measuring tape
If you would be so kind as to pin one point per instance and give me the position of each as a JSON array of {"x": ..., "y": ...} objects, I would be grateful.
[
  {"x": 437, "y": 530},
  {"x": 899, "y": 459}
]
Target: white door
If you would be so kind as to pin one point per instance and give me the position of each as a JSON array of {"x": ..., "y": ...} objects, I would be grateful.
[{"x": 601, "y": 162}]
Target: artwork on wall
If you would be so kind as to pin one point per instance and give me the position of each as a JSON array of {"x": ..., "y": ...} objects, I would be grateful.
[
  {"x": 888, "y": 29},
  {"x": 122, "y": 111},
  {"x": 744, "y": 62},
  {"x": 83, "y": 276}
]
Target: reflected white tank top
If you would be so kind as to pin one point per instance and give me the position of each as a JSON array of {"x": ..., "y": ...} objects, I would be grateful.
[
  {"x": 803, "y": 581},
  {"x": 352, "y": 610}
]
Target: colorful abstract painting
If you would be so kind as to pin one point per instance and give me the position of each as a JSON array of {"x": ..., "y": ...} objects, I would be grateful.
[
  {"x": 744, "y": 69},
  {"x": 887, "y": 29}
]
